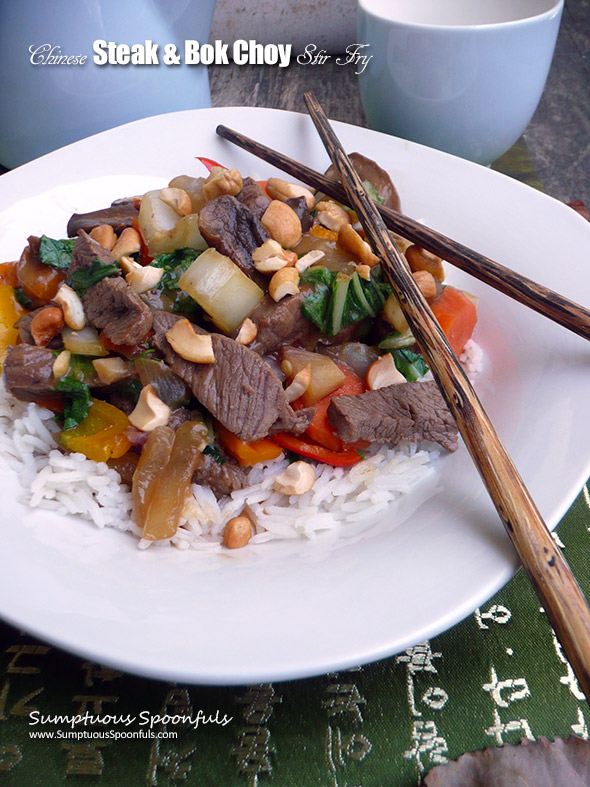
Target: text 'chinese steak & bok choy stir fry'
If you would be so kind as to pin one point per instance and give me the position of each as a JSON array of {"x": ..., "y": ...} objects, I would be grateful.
[{"x": 221, "y": 362}]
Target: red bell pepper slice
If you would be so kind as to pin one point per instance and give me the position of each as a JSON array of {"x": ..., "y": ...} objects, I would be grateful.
[
  {"x": 144, "y": 256},
  {"x": 315, "y": 451},
  {"x": 128, "y": 350},
  {"x": 209, "y": 163}
]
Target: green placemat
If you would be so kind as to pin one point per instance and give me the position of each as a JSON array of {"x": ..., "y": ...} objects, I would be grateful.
[{"x": 497, "y": 677}]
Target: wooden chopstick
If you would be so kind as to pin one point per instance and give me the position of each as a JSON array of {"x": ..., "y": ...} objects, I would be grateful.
[
  {"x": 524, "y": 290},
  {"x": 550, "y": 575}
]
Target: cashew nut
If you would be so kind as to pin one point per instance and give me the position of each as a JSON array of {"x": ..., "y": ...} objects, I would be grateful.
[
  {"x": 129, "y": 243},
  {"x": 270, "y": 248},
  {"x": 247, "y": 332},
  {"x": 426, "y": 283},
  {"x": 383, "y": 372},
  {"x": 271, "y": 264},
  {"x": 72, "y": 307},
  {"x": 110, "y": 370},
  {"x": 150, "y": 411},
  {"x": 309, "y": 259},
  {"x": 46, "y": 324},
  {"x": 350, "y": 240},
  {"x": 364, "y": 271},
  {"x": 144, "y": 278},
  {"x": 284, "y": 282},
  {"x": 105, "y": 235},
  {"x": 283, "y": 224},
  {"x": 128, "y": 264},
  {"x": 237, "y": 533},
  {"x": 177, "y": 199},
  {"x": 421, "y": 260},
  {"x": 195, "y": 347},
  {"x": 271, "y": 257},
  {"x": 297, "y": 479},
  {"x": 61, "y": 364},
  {"x": 332, "y": 215},
  {"x": 281, "y": 190},
  {"x": 299, "y": 385},
  {"x": 222, "y": 181},
  {"x": 402, "y": 243}
]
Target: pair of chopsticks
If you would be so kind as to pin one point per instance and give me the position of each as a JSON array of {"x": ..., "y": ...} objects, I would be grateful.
[
  {"x": 550, "y": 575},
  {"x": 541, "y": 299}
]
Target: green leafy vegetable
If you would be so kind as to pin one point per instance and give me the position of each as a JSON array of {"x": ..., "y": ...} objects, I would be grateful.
[
  {"x": 81, "y": 368},
  {"x": 81, "y": 280},
  {"x": 56, "y": 253},
  {"x": 315, "y": 304},
  {"x": 410, "y": 364},
  {"x": 76, "y": 402},
  {"x": 336, "y": 300},
  {"x": 371, "y": 191},
  {"x": 174, "y": 266},
  {"x": 397, "y": 340},
  {"x": 23, "y": 298}
]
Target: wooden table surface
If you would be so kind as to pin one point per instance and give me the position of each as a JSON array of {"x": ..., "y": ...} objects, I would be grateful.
[{"x": 558, "y": 136}]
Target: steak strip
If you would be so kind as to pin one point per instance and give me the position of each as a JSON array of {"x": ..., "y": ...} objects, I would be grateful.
[
  {"x": 408, "y": 411},
  {"x": 113, "y": 306},
  {"x": 230, "y": 227},
  {"x": 86, "y": 250},
  {"x": 28, "y": 372},
  {"x": 282, "y": 322},
  {"x": 253, "y": 197},
  {"x": 239, "y": 388}
]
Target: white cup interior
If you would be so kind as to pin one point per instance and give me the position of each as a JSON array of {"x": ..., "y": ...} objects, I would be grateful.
[{"x": 457, "y": 13}]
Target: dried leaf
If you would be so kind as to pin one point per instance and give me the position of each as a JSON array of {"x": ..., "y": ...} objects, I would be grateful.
[{"x": 527, "y": 764}]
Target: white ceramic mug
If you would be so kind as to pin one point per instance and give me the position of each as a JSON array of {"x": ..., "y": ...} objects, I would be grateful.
[
  {"x": 44, "y": 106},
  {"x": 463, "y": 76}
]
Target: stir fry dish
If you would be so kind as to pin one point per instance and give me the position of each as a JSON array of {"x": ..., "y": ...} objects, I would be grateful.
[{"x": 217, "y": 324}]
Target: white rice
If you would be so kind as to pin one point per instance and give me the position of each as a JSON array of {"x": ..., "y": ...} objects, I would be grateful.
[
  {"x": 472, "y": 358},
  {"x": 342, "y": 503}
]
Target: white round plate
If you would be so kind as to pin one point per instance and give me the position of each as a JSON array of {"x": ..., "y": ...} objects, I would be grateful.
[{"x": 279, "y": 612}]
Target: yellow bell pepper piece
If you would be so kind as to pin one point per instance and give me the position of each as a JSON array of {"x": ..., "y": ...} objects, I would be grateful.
[
  {"x": 10, "y": 311},
  {"x": 101, "y": 435},
  {"x": 321, "y": 232}
]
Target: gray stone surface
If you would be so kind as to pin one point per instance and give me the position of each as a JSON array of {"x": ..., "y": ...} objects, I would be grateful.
[{"x": 559, "y": 133}]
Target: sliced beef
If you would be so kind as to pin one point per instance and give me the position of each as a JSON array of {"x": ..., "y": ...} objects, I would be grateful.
[
  {"x": 281, "y": 323},
  {"x": 409, "y": 411},
  {"x": 111, "y": 305},
  {"x": 230, "y": 227},
  {"x": 24, "y": 326},
  {"x": 86, "y": 250},
  {"x": 253, "y": 197},
  {"x": 299, "y": 205},
  {"x": 119, "y": 216},
  {"x": 222, "y": 478},
  {"x": 239, "y": 388},
  {"x": 28, "y": 371}
]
